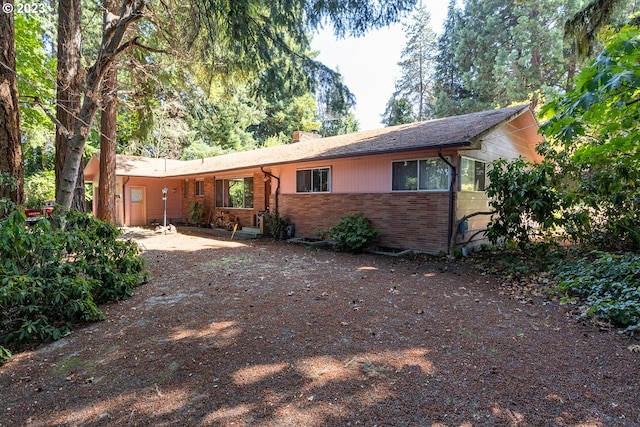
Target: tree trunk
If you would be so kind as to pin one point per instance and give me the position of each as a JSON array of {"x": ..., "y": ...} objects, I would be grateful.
[
  {"x": 68, "y": 91},
  {"x": 112, "y": 45},
  {"x": 107, "y": 186},
  {"x": 108, "y": 137},
  {"x": 10, "y": 144}
]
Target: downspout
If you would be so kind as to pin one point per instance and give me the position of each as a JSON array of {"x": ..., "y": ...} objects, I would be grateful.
[
  {"x": 454, "y": 175},
  {"x": 124, "y": 202},
  {"x": 277, "y": 188}
]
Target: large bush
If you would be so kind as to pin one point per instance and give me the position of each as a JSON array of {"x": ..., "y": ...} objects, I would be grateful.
[
  {"x": 523, "y": 199},
  {"x": 592, "y": 136},
  {"x": 353, "y": 233},
  {"x": 52, "y": 277}
]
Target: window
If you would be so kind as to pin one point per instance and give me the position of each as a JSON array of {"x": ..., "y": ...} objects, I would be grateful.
[
  {"x": 199, "y": 189},
  {"x": 423, "y": 175},
  {"x": 186, "y": 188},
  {"x": 234, "y": 193},
  {"x": 313, "y": 180},
  {"x": 473, "y": 175}
]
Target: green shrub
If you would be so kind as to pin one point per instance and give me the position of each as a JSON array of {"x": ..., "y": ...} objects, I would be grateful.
[
  {"x": 277, "y": 225},
  {"x": 353, "y": 233},
  {"x": 196, "y": 211},
  {"x": 609, "y": 283},
  {"x": 524, "y": 201},
  {"x": 53, "y": 278}
]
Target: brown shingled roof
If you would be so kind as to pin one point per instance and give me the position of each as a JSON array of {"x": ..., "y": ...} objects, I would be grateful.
[{"x": 455, "y": 131}]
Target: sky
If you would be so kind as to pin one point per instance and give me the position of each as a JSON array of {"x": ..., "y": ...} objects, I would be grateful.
[{"x": 369, "y": 64}]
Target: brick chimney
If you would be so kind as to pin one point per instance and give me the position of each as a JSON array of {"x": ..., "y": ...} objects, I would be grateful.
[{"x": 299, "y": 136}]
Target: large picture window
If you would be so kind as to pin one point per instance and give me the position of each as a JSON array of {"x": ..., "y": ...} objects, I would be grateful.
[
  {"x": 316, "y": 180},
  {"x": 234, "y": 193},
  {"x": 420, "y": 175},
  {"x": 473, "y": 175}
]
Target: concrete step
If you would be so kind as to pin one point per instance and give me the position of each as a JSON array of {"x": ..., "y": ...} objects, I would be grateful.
[
  {"x": 255, "y": 230},
  {"x": 248, "y": 233}
]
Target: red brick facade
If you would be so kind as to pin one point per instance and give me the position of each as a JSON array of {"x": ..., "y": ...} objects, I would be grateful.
[
  {"x": 405, "y": 220},
  {"x": 245, "y": 216}
]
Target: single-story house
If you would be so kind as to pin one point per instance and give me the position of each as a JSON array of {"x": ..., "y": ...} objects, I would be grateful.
[{"x": 412, "y": 181}]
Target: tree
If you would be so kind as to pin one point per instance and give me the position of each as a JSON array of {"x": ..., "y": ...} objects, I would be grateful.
[
  {"x": 398, "y": 112},
  {"x": 36, "y": 85},
  {"x": 531, "y": 65},
  {"x": 593, "y": 134},
  {"x": 334, "y": 110},
  {"x": 108, "y": 135},
  {"x": 448, "y": 89},
  {"x": 10, "y": 143},
  {"x": 250, "y": 33},
  {"x": 68, "y": 94},
  {"x": 583, "y": 27},
  {"x": 417, "y": 64},
  {"x": 113, "y": 43},
  {"x": 496, "y": 53}
]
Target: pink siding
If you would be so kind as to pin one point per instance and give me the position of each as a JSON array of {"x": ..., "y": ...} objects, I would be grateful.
[
  {"x": 154, "y": 203},
  {"x": 370, "y": 174}
]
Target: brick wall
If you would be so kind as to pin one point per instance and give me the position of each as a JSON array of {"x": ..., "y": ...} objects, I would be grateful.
[
  {"x": 405, "y": 220},
  {"x": 245, "y": 216},
  {"x": 207, "y": 199}
]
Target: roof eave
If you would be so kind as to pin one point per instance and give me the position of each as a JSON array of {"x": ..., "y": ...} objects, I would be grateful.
[{"x": 456, "y": 144}]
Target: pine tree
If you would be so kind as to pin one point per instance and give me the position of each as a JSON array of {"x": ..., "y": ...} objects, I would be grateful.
[
  {"x": 334, "y": 110},
  {"x": 417, "y": 65},
  {"x": 499, "y": 52},
  {"x": 399, "y": 111},
  {"x": 10, "y": 144},
  {"x": 448, "y": 88}
]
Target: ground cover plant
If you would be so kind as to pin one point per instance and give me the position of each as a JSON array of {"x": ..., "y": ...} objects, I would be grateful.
[
  {"x": 608, "y": 284},
  {"x": 54, "y": 277},
  {"x": 604, "y": 287}
]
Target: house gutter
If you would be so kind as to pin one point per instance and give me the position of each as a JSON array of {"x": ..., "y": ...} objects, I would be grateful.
[
  {"x": 124, "y": 202},
  {"x": 277, "y": 188},
  {"x": 454, "y": 175}
]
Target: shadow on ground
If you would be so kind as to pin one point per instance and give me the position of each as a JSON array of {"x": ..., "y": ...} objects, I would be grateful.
[{"x": 268, "y": 334}]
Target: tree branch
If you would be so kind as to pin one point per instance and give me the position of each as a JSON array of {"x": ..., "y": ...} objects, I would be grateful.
[
  {"x": 454, "y": 231},
  {"x": 36, "y": 101}
]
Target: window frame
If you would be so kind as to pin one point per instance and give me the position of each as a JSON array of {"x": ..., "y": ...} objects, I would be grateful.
[
  {"x": 226, "y": 198},
  {"x": 311, "y": 170},
  {"x": 185, "y": 190},
  {"x": 486, "y": 177},
  {"x": 418, "y": 161},
  {"x": 199, "y": 185}
]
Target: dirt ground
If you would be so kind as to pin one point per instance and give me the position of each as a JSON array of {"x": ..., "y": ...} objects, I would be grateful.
[{"x": 263, "y": 333}]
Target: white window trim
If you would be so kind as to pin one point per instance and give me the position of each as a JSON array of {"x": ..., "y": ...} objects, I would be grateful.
[
  {"x": 486, "y": 176},
  {"x": 418, "y": 189},
  {"x": 329, "y": 184}
]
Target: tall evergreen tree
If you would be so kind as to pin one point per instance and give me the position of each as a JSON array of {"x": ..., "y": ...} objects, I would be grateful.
[
  {"x": 483, "y": 36},
  {"x": 334, "y": 110},
  {"x": 417, "y": 65},
  {"x": 10, "y": 144},
  {"x": 532, "y": 62},
  {"x": 500, "y": 52},
  {"x": 448, "y": 88},
  {"x": 108, "y": 133},
  {"x": 68, "y": 96},
  {"x": 398, "y": 112}
]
